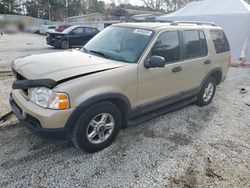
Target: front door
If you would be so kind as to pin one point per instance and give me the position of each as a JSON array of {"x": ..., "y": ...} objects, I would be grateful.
[
  {"x": 159, "y": 83},
  {"x": 77, "y": 36}
]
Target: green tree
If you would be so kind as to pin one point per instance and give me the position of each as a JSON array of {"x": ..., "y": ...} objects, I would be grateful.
[
  {"x": 96, "y": 6},
  {"x": 76, "y": 7},
  {"x": 9, "y": 7}
]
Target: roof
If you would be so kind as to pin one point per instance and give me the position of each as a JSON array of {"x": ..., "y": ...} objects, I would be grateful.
[
  {"x": 156, "y": 26},
  {"x": 84, "y": 15},
  {"x": 211, "y": 7},
  {"x": 142, "y": 16},
  {"x": 135, "y": 12}
]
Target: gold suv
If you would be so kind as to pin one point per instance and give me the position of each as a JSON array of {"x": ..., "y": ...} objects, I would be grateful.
[{"x": 126, "y": 74}]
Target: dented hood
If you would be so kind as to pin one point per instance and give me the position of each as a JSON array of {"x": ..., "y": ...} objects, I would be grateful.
[{"x": 62, "y": 65}]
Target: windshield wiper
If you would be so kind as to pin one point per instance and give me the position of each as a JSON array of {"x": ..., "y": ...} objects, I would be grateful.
[{"x": 85, "y": 50}]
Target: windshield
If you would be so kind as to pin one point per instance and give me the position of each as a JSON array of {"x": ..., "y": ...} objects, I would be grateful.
[
  {"x": 120, "y": 43},
  {"x": 69, "y": 29}
]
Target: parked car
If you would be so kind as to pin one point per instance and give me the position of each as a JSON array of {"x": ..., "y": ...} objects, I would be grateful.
[
  {"x": 72, "y": 36},
  {"x": 45, "y": 28},
  {"x": 61, "y": 28},
  {"x": 32, "y": 29},
  {"x": 126, "y": 74}
]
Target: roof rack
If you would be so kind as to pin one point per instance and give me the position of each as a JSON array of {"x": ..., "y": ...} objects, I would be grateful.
[{"x": 192, "y": 22}]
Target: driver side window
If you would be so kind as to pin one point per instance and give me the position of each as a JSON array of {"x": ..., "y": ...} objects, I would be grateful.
[{"x": 168, "y": 46}]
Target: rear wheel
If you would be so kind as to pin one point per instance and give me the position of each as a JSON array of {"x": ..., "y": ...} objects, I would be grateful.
[
  {"x": 97, "y": 127},
  {"x": 207, "y": 92},
  {"x": 64, "y": 44}
]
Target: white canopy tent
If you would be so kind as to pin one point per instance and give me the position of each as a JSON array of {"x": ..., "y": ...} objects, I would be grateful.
[{"x": 232, "y": 15}]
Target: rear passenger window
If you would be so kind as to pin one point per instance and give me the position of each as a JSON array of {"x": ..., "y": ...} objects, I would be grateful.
[
  {"x": 220, "y": 41},
  {"x": 195, "y": 43},
  {"x": 168, "y": 46},
  {"x": 89, "y": 30}
]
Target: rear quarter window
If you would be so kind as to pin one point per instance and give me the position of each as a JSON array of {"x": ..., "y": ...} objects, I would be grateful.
[{"x": 220, "y": 41}]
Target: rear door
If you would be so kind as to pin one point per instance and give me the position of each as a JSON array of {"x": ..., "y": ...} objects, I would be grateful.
[{"x": 195, "y": 61}]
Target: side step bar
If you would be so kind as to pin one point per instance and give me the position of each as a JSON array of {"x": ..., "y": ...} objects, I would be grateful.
[{"x": 161, "y": 111}]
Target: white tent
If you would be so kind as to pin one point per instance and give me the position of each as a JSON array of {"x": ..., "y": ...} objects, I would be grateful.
[{"x": 232, "y": 15}]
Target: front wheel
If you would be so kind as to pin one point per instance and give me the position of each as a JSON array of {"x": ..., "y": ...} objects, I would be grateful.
[
  {"x": 207, "y": 92},
  {"x": 97, "y": 127},
  {"x": 64, "y": 44}
]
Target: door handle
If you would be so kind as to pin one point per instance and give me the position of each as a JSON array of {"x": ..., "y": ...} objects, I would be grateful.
[
  {"x": 176, "y": 69},
  {"x": 207, "y": 62}
]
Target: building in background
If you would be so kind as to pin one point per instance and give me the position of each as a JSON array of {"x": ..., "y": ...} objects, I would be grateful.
[{"x": 85, "y": 18}]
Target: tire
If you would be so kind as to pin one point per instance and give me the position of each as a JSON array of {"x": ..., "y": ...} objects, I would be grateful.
[
  {"x": 65, "y": 44},
  {"x": 209, "y": 88},
  {"x": 90, "y": 121}
]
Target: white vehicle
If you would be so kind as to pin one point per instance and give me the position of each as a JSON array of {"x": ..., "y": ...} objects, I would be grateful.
[{"x": 45, "y": 28}]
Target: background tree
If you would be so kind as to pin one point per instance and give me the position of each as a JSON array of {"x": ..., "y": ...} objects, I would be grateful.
[
  {"x": 9, "y": 7},
  {"x": 57, "y": 9}
]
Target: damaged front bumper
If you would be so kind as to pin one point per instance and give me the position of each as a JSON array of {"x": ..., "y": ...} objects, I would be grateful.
[{"x": 46, "y": 123}]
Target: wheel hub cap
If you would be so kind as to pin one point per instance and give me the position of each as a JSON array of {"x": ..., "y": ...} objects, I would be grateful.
[
  {"x": 208, "y": 92},
  {"x": 100, "y": 128}
]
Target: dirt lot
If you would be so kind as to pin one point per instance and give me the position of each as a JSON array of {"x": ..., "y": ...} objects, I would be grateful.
[{"x": 191, "y": 147}]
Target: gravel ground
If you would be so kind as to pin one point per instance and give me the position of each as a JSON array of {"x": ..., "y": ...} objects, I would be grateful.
[
  {"x": 191, "y": 147},
  {"x": 20, "y": 45}
]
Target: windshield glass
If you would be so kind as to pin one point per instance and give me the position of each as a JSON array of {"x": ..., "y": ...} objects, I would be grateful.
[
  {"x": 120, "y": 43},
  {"x": 69, "y": 29}
]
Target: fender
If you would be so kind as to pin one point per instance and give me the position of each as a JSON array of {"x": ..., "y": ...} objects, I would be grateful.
[
  {"x": 126, "y": 106},
  {"x": 209, "y": 74}
]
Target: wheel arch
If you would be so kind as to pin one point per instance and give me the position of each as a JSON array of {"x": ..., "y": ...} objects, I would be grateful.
[
  {"x": 216, "y": 73},
  {"x": 120, "y": 100}
]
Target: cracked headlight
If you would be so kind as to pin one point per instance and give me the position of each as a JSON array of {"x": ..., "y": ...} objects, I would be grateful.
[{"x": 47, "y": 98}]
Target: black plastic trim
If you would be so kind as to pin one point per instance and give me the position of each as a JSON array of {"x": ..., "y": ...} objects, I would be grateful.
[
  {"x": 84, "y": 105},
  {"x": 25, "y": 84},
  {"x": 162, "y": 103},
  {"x": 209, "y": 74}
]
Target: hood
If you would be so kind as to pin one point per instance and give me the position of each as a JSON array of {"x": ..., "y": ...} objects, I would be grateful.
[
  {"x": 62, "y": 65},
  {"x": 56, "y": 33}
]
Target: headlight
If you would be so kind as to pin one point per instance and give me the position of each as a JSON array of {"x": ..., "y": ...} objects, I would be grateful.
[{"x": 46, "y": 98}]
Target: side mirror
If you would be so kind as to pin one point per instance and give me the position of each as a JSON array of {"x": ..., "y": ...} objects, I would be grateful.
[{"x": 155, "y": 61}]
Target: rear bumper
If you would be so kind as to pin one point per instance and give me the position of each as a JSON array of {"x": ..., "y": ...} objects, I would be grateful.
[{"x": 34, "y": 121}]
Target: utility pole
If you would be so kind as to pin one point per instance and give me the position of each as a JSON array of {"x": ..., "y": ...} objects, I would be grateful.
[
  {"x": 67, "y": 10},
  {"x": 49, "y": 11},
  {"x": 5, "y": 12}
]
